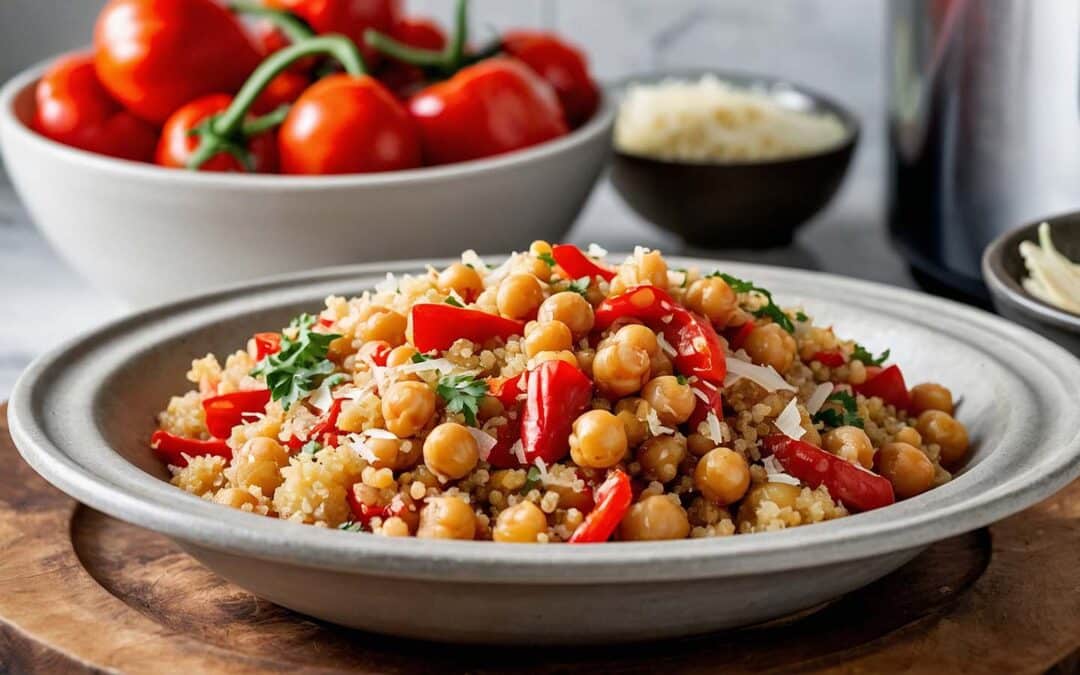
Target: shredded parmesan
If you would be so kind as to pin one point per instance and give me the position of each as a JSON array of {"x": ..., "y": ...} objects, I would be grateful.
[
  {"x": 789, "y": 421},
  {"x": 700, "y": 394},
  {"x": 715, "y": 433},
  {"x": 380, "y": 433},
  {"x": 665, "y": 345},
  {"x": 483, "y": 441},
  {"x": 765, "y": 376},
  {"x": 518, "y": 451},
  {"x": 470, "y": 257},
  {"x": 441, "y": 365},
  {"x": 387, "y": 285},
  {"x": 357, "y": 393},
  {"x": 655, "y": 427},
  {"x": 818, "y": 398},
  {"x": 776, "y": 472},
  {"x": 596, "y": 251},
  {"x": 361, "y": 448},
  {"x": 321, "y": 398}
]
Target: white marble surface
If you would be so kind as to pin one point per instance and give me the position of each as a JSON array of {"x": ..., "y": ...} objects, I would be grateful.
[{"x": 832, "y": 45}]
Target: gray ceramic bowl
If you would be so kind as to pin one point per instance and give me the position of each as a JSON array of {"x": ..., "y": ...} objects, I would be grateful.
[
  {"x": 751, "y": 204},
  {"x": 1003, "y": 269},
  {"x": 82, "y": 415},
  {"x": 145, "y": 233}
]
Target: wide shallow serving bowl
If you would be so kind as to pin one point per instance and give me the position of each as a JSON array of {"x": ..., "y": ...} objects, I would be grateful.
[
  {"x": 82, "y": 416},
  {"x": 146, "y": 233},
  {"x": 1003, "y": 270},
  {"x": 749, "y": 204}
]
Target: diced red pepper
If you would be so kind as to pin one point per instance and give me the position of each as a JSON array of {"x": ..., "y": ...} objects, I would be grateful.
[
  {"x": 832, "y": 358},
  {"x": 555, "y": 394},
  {"x": 887, "y": 384},
  {"x": 737, "y": 336},
  {"x": 646, "y": 303},
  {"x": 506, "y": 389},
  {"x": 227, "y": 410},
  {"x": 325, "y": 321},
  {"x": 171, "y": 448},
  {"x": 577, "y": 265},
  {"x": 613, "y": 499},
  {"x": 853, "y": 485},
  {"x": 712, "y": 403},
  {"x": 363, "y": 512},
  {"x": 375, "y": 352},
  {"x": 500, "y": 455},
  {"x": 324, "y": 429},
  {"x": 266, "y": 344},
  {"x": 437, "y": 326}
]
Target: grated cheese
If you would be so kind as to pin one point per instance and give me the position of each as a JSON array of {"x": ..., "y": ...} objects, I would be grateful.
[
  {"x": 764, "y": 376},
  {"x": 518, "y": 451},
  {"x": 715, "y": 433},
  {"x": 470, "y": 257},
  {"x": 789, "y": 421},
  {"x": 483, "y": 441},
  {"x": 700, "y": 394},
  {"x": 380, "y": 433},
  {"x": 387, "y": 285},
  {"x": 596, "y": 251},
  {"x": 665, "y": 345},
  {"x": 441, "y": 365},
  {"x": 776, "y": 473},
  {"x": 818, "y": 398},
  {"x": 655, "y": 427}
]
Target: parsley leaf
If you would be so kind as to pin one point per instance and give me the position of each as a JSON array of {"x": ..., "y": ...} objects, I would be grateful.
[
  {"x": 301, "y": 364},
  {"x": 685, "y": 276},
  {"x": 451, "y": 300},
  {"x": 847, "y": 416},
  {"x": 351, "y": 526},
  {"x": 770, "y": 309},
  {"x": 547, "y": 258},
  {"x": 581, "y": 286},
  {"x": 867, "y": 357},
  {"x": 420, "y": 358},
  {"x": 801, "y": 317},
  {"x": 681, "y": 379},
  {"x": 532, "y": 480},
  {"x": 311, "y": 447},
  {"x": 462, "y": 394}
]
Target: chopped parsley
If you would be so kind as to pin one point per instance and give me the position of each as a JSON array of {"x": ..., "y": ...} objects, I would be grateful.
[
  {"x": 580, "y": 286},
  {"x": 462, "y": 394},
  {"x": 301, "y": 364},
  {"x": 548, "y": 259},
  {"x": 867, "y": 357},
  {"x": 801, "y": 317},
  {"x": 420, "y": 358},
  {"x": 311, "y": 447},
  {"x": 847, "y": 416},
  {"x": 351, "y": 526},
  {"x": 685, "y": 276},
  {"x": 451, "y": 300},
  {"x": 681, "y": 379},
  {"x": 532, "y": 480},
  {"x": 770, "y": 309}
]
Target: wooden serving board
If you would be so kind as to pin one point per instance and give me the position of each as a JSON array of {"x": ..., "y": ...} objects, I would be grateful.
[{"x": 83, "y": 592}]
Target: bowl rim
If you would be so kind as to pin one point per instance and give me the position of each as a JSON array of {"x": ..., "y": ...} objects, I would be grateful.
[
  {"x": 600, "y": 124},
  {"x": 150, "y": 502},
  {"x": 1009, "y": 290},
  {"x": 850, "y": 121}
]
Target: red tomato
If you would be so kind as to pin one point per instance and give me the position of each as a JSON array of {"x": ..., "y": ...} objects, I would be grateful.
[
  {"x": 74, "y": 109},
  {"x": 495, "y": 106},
  {"x": 178, "y": 144},
  {"x": 270, "y": 39},
  {"x": 563, "y": 66},
  {"x": 282, "y": 90},
  {"x": 403, "y": 78},
  {"x": 347, "y": 17},
  {"x": 347, "y": 124},
  {"x": 156, "y": 55}
]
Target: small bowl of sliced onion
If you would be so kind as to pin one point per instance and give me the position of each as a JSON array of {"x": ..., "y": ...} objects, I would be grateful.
[{"x": 1033, "y": 273}]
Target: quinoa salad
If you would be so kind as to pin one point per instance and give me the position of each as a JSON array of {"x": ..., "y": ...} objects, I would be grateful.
[{"x": 557, "y": 397}]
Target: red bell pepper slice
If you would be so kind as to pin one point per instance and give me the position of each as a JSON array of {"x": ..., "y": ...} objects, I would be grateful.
[
  {"x": 853, "y": 485},
  {"x": 737, "y": 336},
  {"x": 712, "y": 403},
  {"x": 171, "y": 448},
  {"x": 556, "y": 393},
  {"x": 437, "y": 326},
  {"x": 832, "y": 358},
  {"x": 500, "y": 456},
  {"x": 226, "y": 411},
  {"x": 375, "y": 352},
  {"x": 577, "y": 265},
  {"x": 327, "y": 425},
  {"x": 507, "y": 389},
  {"x": 887, "y": 384},
  {"x": 613, "y": 499},
  {"x": 266, "y": 344},
  {"x": 646, "y": 303},
  {"x": 363, "y": 512}
]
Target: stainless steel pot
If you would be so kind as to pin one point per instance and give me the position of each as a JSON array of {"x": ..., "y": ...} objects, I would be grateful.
[{"x": 984, "y": 127}]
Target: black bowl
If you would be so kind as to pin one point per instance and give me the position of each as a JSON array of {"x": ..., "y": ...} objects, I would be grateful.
[
  {"x": 736, "y": 204},
  {"x": 1003, "y": 269}
]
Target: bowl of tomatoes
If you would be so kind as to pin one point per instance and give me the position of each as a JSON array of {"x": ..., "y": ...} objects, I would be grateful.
[{"x": 197, "y": 144}]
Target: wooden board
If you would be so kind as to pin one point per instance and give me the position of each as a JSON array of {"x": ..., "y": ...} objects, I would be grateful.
[{"x": 83, "y": 592}]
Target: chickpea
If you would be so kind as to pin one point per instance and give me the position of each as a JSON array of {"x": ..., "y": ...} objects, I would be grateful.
[
  {"x": 385, "y": 452},
  {"x": 781, "y": 494},
  {"x": 446, "y": 518},
  {"x": 387, "y": 325},
  {"x": 722, "y": 476},
  {"x": 540, "y": 247},
  {"x": 585, "y": 359},
  {"x": 620, "y": 369},
  {"x": 569, "y": 498},
  {"x": 520, "y": 524},
  {"x": 654, "y": 518},
  {"x": 407, "y": 407},
  {"x": 571, "y": 309},
  {"x": 931, "y": 396},
  {"x": 639, "y": 336},
  {"x": 564, "y": 355},
  {"x": 394, "y": 527},
  {"x": 632, "y": 412},
  {"x": 652, "y": 269},
  {"x": 598, "y": 440},
  {"x": 260, "y": 449},
  {"x": 941, "y": 428},
  {"x": 260, "y": 473},
  {"x": 461, "y": 279},
  {"x": 852, "y": 444},
  {"x": 713, "y": 298},
  {"x": 401, "y": 356},
  {"x": 660, "y": 457},
  {"x": 906, "y": 467},
  {"x": 235, "y": 497},
  {"x": 451, "y": 451},
  {"x": 519, "y": 296},
  {"x": 489, "y": 407},
  {"x": 699, "y": 444},
  {"x": 771, "y": 345},
  {"x": 550, "y": 336},
  {"x": 673, "y": 402},
  {"x": 661, "y": 364},
  {"x": 910, "y": 436}
]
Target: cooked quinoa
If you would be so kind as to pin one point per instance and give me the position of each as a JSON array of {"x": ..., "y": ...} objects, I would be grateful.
[{"x": 556, "y": 398}]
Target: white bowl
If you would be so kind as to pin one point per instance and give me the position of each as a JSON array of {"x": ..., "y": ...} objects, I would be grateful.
[
  {"x": 145, "y": 233},
  {"x": 82, "y": 416}
]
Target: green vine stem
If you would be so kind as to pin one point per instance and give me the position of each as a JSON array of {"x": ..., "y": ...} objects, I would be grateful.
[
  {"x": 224, "y": 129},
  {"x": 447, "y": 61},
  {"x": 288, "y": 23}
]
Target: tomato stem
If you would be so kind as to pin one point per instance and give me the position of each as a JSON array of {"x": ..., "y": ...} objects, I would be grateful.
[
  {"x": 446, "y": 61},
  {"x": 225, "y": 129},
  {"x": 270, "y": 120},
  {"x": 288, "y": 23}
]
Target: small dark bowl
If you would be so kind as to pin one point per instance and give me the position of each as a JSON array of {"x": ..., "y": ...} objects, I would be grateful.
[
  {"x": 1003, "y": 269},
  {"x": 736, "y": 204}
]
